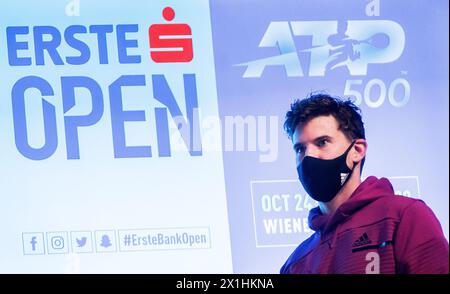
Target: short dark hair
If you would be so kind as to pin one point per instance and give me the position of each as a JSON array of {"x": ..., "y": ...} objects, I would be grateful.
[{"x": 347, "y": 114}]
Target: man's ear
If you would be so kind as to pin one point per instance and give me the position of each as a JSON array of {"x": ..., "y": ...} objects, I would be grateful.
[{"x": 359, "y": 150}]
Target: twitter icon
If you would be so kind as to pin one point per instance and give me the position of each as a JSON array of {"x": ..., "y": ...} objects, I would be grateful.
[{"x": 81, "y": 241}]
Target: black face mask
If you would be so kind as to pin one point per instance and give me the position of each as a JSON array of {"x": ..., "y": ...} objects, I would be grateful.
[{"x": 323, "y": 178}]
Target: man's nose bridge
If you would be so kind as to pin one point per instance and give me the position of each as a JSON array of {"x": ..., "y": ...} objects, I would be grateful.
[{"x": 310, "y": 151}]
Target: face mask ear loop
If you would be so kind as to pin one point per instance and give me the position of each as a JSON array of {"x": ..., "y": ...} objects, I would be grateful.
[
  {"x": 351, "y": 145},
  {"x": 346, "y": 152}
]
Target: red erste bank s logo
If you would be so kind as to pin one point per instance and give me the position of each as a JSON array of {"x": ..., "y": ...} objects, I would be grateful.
[{"x": 164, "y": 47}]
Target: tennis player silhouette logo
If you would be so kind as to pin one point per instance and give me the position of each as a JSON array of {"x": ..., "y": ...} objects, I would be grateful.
[
  {"x": 344, "y": 51},
  {"x": 337, "y": 47}
]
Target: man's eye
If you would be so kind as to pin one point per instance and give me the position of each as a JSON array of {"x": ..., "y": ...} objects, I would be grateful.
[{"x": 322, "y": 143}]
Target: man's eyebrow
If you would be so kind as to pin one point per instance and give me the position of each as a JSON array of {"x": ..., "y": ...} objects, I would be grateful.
[{"x": 321, "y": 138}]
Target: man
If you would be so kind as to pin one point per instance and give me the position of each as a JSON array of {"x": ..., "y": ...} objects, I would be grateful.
[{"x": 360, "y": 227}]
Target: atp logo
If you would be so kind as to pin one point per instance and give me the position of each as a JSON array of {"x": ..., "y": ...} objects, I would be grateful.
[{"x": 344, "y": 47}]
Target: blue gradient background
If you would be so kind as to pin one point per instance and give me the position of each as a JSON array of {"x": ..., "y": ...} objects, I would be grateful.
[{"x": 408, "y": 141}]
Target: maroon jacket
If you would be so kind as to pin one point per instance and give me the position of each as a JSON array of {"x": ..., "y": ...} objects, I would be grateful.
[{"x": 404, "y": 233}]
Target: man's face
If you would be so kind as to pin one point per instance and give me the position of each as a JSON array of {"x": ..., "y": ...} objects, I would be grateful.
[{"x": 320, "y": 138}]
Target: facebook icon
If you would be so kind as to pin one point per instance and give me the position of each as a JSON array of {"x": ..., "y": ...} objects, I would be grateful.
[{"x": 33, "y": 243}]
